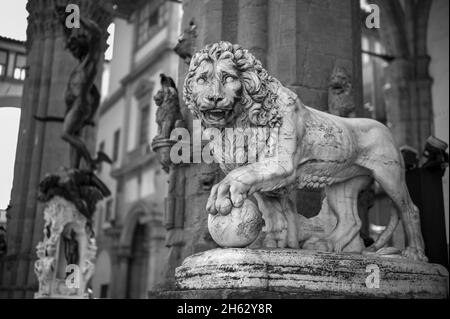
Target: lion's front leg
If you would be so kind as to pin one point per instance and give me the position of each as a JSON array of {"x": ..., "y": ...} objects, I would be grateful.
[{"x": 244, "y": 181}]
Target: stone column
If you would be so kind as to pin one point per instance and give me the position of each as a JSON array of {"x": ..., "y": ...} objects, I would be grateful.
[
  {"x": 40, "y": 150},
  {"x": 252, "y": 27},
  {"x": 306, "y": 41}
]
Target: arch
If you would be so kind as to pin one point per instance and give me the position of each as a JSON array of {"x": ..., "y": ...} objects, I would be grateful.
[
  {"x": 407, "y": 93},
  {"x": 134, "y": 252},
  {"x": 137, "y": 212}
]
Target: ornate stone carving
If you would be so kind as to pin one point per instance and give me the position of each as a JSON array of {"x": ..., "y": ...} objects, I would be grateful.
[
  {"x": 226, "y": 86},
  {"x": 67, "y": 241},
  {"x": 168, "y": 116},
  {"x": 340, "y": 93},
  {"x": 70, "y": 201},
  {"x": 186, "y": 42}
]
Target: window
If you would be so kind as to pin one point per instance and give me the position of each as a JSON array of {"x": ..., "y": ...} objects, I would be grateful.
[
  {"x": 144, "y": 126},
  {"x": 116, "y": 145},
  {"x": 150, "y": 19},
  {"x": 101, "y": 148},
  {"x": 3, "y": 62},
  {"x": 20, "y": 67},
  {"x": 109, "y": 211}
]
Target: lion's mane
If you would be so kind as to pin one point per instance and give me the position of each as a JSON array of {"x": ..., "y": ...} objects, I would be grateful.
[{"x": 259, "y": 96}]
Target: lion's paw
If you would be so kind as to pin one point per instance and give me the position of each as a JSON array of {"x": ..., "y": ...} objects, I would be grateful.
[
  {"x": 414, "y": 254},
  {"x": 318, "y": 244}
]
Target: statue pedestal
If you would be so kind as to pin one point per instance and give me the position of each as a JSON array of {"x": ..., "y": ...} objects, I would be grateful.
[
  {"x": 285, "y": 273},
  {"x": 66, "y": 255}
]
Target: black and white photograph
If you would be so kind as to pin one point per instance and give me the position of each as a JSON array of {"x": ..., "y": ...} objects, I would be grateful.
[{"x": 231, "y": 156}]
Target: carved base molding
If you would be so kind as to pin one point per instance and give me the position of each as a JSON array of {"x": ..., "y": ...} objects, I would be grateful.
[{"x": 285, "y": 273}]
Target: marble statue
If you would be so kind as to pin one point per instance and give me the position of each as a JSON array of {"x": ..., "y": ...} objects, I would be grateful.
[
  {"x": 186, "y": 43},
  {"x": 168, "y": 117},
  {"x": 227, "y": 87},
  {"x": 340, "y": 93}
]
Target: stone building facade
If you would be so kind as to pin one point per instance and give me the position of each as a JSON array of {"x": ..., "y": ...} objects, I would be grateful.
[
  {"x": 129, "y": 224},
  {"x": 13, "y": 64}
]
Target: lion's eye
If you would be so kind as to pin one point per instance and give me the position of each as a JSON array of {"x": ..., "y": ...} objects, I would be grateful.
[
  {"x": 229, "y": 79},
  {"x": 200, "y": 81}
]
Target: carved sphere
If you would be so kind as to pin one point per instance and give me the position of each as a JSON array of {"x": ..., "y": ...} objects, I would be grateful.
[{"x": 237, "y": 229}]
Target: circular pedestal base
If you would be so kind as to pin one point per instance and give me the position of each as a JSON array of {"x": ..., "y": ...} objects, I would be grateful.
[{"x": 285, "y": 273}]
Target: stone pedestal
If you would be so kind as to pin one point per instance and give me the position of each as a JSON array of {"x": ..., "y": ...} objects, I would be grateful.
[
  {"x": 66, "y": 255},
  {"x": 285, "y": 273}
]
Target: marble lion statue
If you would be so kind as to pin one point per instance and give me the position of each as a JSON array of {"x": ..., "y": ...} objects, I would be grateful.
[{"x": 227, "y": 87}]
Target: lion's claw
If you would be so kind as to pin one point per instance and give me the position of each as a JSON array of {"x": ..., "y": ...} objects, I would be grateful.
[
  {"x": 225, "y": 195},
  {"x": 414, "y": 254}
]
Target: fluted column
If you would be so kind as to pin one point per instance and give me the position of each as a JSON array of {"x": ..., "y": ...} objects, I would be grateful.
[{"x": 40, "y": 149}]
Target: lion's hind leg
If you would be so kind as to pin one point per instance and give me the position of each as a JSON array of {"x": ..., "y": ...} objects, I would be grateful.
[
  {"x": 342, "y": 200},
  {"x": 389, "y": 174}
]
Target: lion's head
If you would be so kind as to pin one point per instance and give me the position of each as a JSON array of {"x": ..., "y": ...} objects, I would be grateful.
[{"x": 227, "y": 86}]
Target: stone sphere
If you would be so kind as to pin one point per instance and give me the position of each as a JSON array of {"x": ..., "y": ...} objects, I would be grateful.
[{"x": 237, "y": 229}]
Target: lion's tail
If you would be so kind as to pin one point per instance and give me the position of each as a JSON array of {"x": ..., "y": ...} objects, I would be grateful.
[{"x": 387, "y": 233}]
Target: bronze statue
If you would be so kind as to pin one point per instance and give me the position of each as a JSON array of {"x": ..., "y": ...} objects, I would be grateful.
[
  {"x": 71, "y": 248},
  {"x": 82, "y": 96},
  {"x": 81, "y": 187}
]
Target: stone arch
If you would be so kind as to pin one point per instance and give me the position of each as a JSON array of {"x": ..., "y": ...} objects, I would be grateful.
[{"x": 134, "y": 251}]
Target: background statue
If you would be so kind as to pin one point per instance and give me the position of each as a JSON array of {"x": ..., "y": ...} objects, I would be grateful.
[
  {"x": 71, "y": 248},
  {"x": 186, "y": 43},
  {"x": 226, "y": 86},
  {"x": 168, "y": 116},
  {"x": 82, "y": 96},
  {"x": 340, "y": 93},
  {"x": 168, "y": 112}
]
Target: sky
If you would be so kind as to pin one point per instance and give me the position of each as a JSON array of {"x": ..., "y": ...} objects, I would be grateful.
[
  {"x": 13, "y": 24},
  {"x": 13, "y": 19}
]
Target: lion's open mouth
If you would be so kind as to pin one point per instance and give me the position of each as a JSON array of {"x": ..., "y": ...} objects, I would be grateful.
[{"x": 216, "y": 115}]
